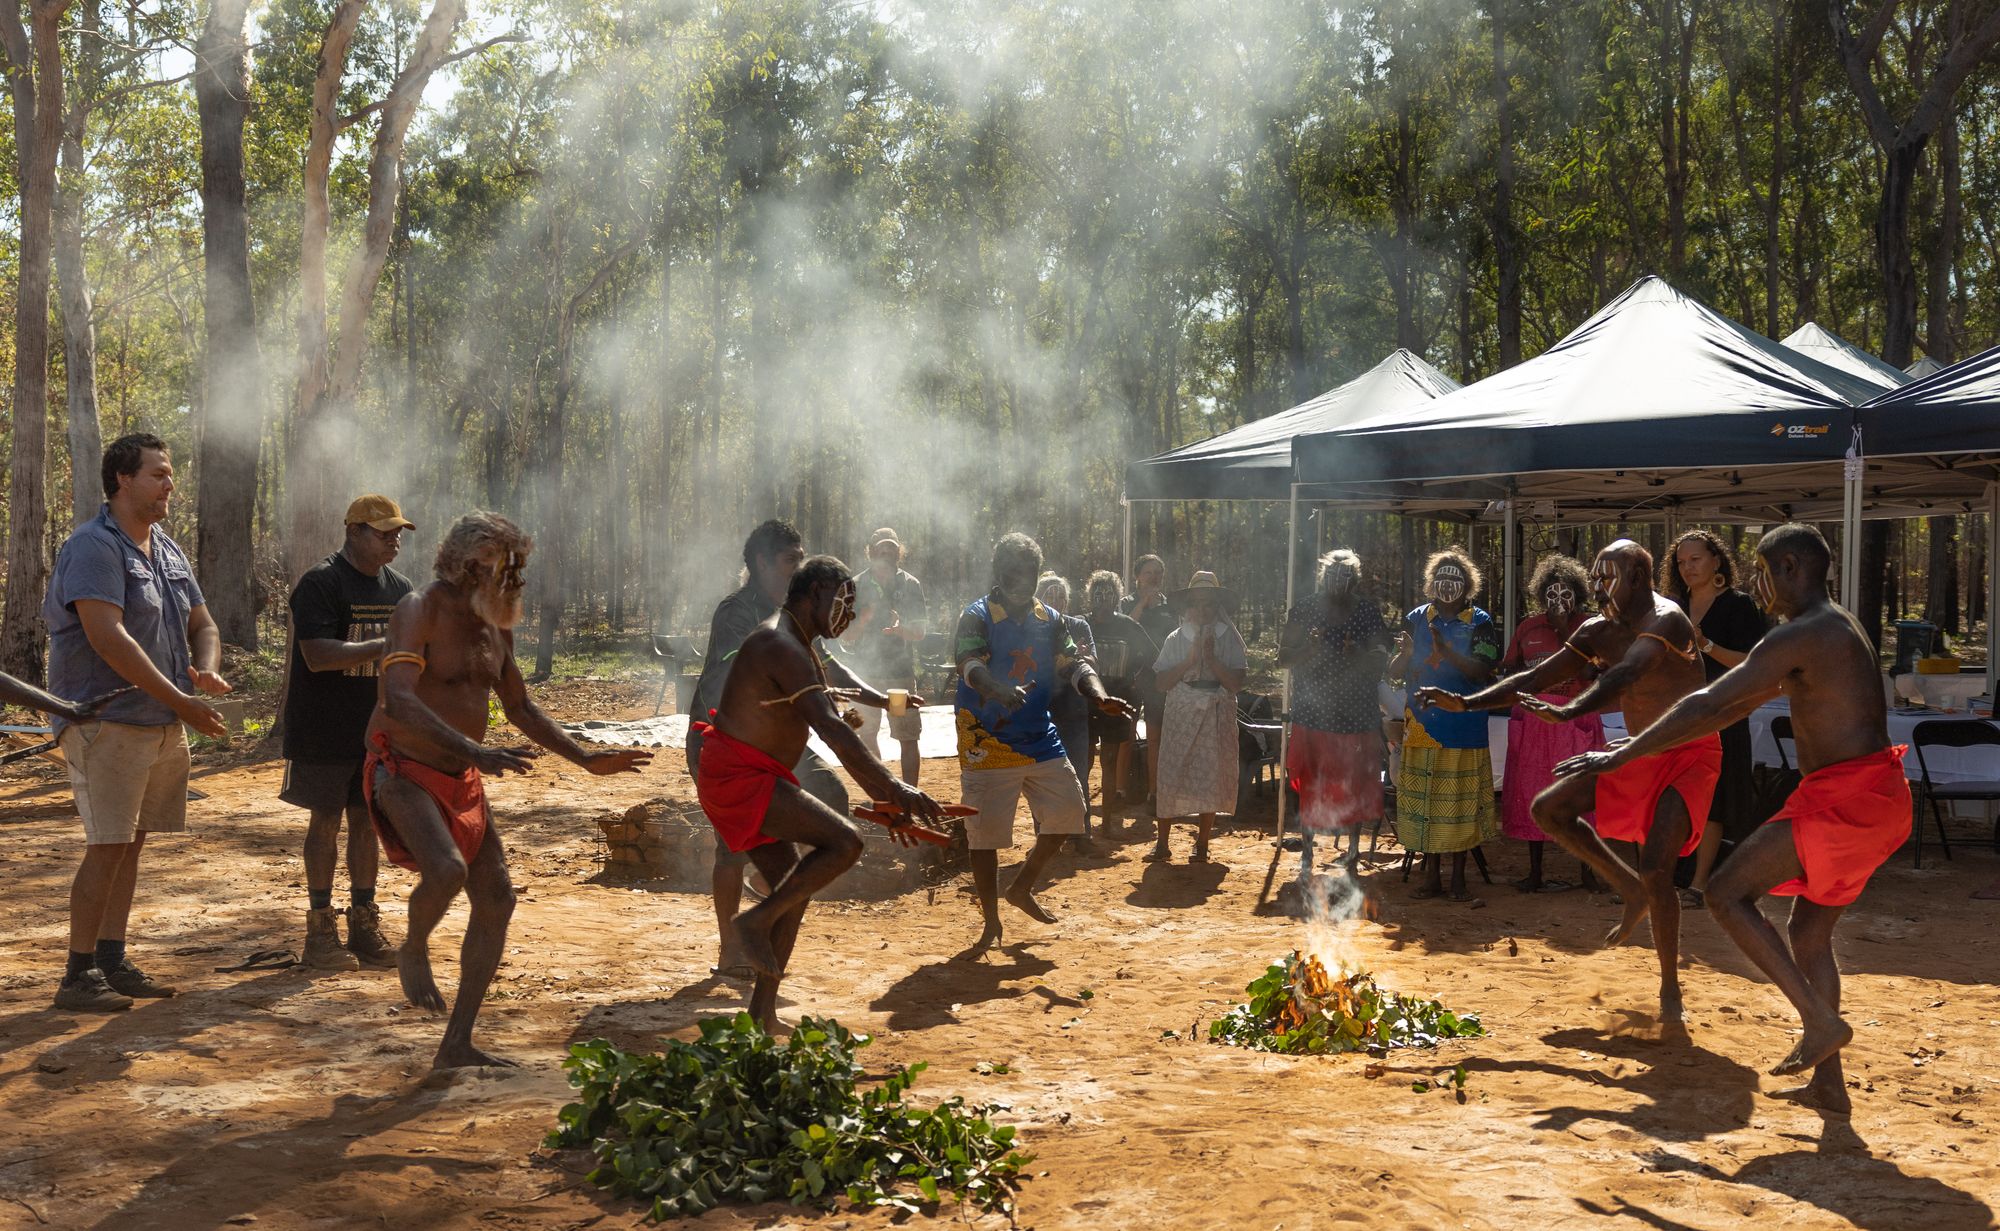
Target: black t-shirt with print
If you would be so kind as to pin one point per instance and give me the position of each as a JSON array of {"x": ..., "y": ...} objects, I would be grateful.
[{"x": 327, "y": 712}]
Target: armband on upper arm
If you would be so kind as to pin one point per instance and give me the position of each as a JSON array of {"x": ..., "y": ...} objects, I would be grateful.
[{"x": 405, "y": 656}]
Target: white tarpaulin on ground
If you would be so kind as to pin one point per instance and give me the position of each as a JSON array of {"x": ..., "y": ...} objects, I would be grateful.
[{"x": 939, "y": 740}]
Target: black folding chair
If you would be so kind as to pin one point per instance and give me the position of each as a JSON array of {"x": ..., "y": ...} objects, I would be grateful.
[
  {"x": 1951, "y": 733},
  {"x": 934, "y": 667},
  {"x": 672, "y": 651},
  {"x": 1781, "y": 731}
]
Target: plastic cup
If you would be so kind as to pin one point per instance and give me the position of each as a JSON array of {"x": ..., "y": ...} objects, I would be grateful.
[{"x": 899, "y": 701}]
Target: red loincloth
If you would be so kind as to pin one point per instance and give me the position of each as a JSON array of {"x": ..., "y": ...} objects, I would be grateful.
[
  {"x": 1627, "y": 797},
  {"x": 734, "y": 787},
  {"x": 460, "y": 797},
  {"x": 1847, "y": 819}
]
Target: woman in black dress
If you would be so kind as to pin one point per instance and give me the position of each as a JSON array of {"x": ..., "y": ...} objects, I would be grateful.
[{"x": 1700, "y": 575}]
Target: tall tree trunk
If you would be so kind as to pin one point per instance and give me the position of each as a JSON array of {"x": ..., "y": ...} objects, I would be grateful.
[
  {"x": 1404, "y": 205},
  {"x": 232, "y": 408},
  {"x": 86, "y": 442},
  {"x": 311, "y": 490},
  {"x": 34, "y": 66},
  {"x": 1941, "y": 598},
  {"x": 323, "y": 446},
  {"x": 556, "y": 550},
  {"x": 1506, "y": 241},
  {"x": 659, "y": 549},
  {"x": 1901, "y": 141},
  {"x": 1774, "y": 189},
  {"x": 717, "y": 297},
  {"x": 618, "y": 506}
]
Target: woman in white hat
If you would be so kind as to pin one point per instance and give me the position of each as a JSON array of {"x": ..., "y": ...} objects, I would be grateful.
[{"x": 1199, "y": 669}]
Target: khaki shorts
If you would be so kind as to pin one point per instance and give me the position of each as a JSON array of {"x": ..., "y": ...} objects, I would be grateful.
[
  {"x": 907, "y": 725},
  {"x": 127, "y": 779},
  {"x": 1055, "y": 801}
]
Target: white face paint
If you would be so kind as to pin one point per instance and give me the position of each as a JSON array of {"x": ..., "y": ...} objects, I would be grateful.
[
  {"x": 843, "y": 609},
  {"x": 497, "y": 597},
  {"x": 1559, "y": 598},
  {"x": 1448, "y": 584},
  {"x": 1765, "y": 592},
  {"x": 1341, "y": 578}
]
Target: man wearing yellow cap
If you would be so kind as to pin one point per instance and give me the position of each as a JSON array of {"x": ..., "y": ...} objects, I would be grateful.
[{"x": 340, "y": 620}]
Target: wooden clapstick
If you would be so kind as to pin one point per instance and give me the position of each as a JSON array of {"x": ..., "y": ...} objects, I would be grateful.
[
  {"x": 896, "y": 819},
  {"x": 958, "y": 810}
]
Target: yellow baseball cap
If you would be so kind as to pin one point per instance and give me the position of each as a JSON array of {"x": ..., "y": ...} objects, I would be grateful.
[{"x": 380, "y": 512}]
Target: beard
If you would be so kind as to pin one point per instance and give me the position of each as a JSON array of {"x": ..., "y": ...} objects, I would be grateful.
[{"x": 498, "y": 607}]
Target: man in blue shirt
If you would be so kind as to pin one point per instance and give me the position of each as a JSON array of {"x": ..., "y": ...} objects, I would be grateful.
[
  {"x": 124, "y": 612},
  {"x": 1010, "y": 651}
]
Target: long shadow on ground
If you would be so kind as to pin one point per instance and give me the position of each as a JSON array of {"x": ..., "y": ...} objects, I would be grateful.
[
  {"x": 1845, "y": 1178},
  {"x": 931, "y": 994}
]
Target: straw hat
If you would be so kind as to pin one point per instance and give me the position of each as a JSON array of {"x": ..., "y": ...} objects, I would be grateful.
[{"x": 1204, "y": 585}]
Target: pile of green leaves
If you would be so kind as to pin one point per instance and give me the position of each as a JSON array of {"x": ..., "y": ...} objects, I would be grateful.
[
  {"x": 739, "y": 1116},
  {"x": 1297, "y": 1009}
]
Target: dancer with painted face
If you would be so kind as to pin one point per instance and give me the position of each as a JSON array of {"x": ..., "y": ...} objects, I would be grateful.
[
  {"x": 1534, "y": 747},
  {"x": 1849, "y": 813},
  {"x": 450, "y": 652},
  {"x": 1644, "y": 649},
  {"x": 777, "y": 692},
  {"x": 1444, "y": 789}
]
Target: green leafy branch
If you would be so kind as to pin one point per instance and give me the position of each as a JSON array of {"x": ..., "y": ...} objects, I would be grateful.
[{"x": 736, "y": 1115}]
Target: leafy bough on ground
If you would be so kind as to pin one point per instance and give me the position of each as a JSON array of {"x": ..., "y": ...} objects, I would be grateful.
[
  {"x": 739, "y": 1116},
  {"x": 1295, "y": 1007}
]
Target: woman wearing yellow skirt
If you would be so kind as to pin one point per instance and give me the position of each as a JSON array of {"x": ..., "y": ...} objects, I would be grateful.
[{"x": 1444, "y": 790}]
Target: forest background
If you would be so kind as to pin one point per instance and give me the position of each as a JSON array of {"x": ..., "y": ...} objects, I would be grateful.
[{"x": 641, "y": 273}]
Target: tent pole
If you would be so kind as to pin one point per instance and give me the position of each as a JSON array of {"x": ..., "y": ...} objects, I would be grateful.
[
  {"x": 1123, "y": 499},
  {"x": 1850, "y": 523},
  {"x": 1285, "y": 685},
  {"x": 1510, "y": 538},
  {"x": 1992, "y": 584}
]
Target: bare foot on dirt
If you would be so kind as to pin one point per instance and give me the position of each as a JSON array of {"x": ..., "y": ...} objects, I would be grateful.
[
  {"x": 754, "y": 942},
  {"x": 987, "y": 942},
  {"x": 1818, "y": 1043},
  {"x": 1636, "y": 906},
  {"x": 1019, "y": 894},
  {"x": 465, "y": 1056},
  {"x": 1673, "y": 1015},
  {"x": 413, "y": 967},
  {"x": 1828, "y": 1095}
]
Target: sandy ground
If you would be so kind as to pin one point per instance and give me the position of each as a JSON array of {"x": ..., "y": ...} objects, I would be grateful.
[{"x": 292, "y": 1100}]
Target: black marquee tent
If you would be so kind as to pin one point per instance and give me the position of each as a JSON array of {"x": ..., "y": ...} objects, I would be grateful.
[
  {"x": 1657, "y": 403},
  {"x": 1254, "y": 462}
]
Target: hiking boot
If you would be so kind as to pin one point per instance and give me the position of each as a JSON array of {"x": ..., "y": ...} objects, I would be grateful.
[
  {"x": 323, "y": 948},
  {"x": 129, "y": 980},
  {"x": 365, "y": 939},
  {"x": 89, "y": 993}
]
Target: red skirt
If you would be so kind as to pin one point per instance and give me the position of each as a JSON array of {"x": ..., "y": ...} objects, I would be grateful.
[
  {"x": 460, "y": 797},
  {"x": 734, "y": 787},
  {"x": 1338, "y": 778},
  {"x": 1847, "y": 819},
  {"x": 1627, "y": 797}
]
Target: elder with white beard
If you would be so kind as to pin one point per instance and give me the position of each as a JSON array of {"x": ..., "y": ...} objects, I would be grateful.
[{"x": 450, "y": 649}]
